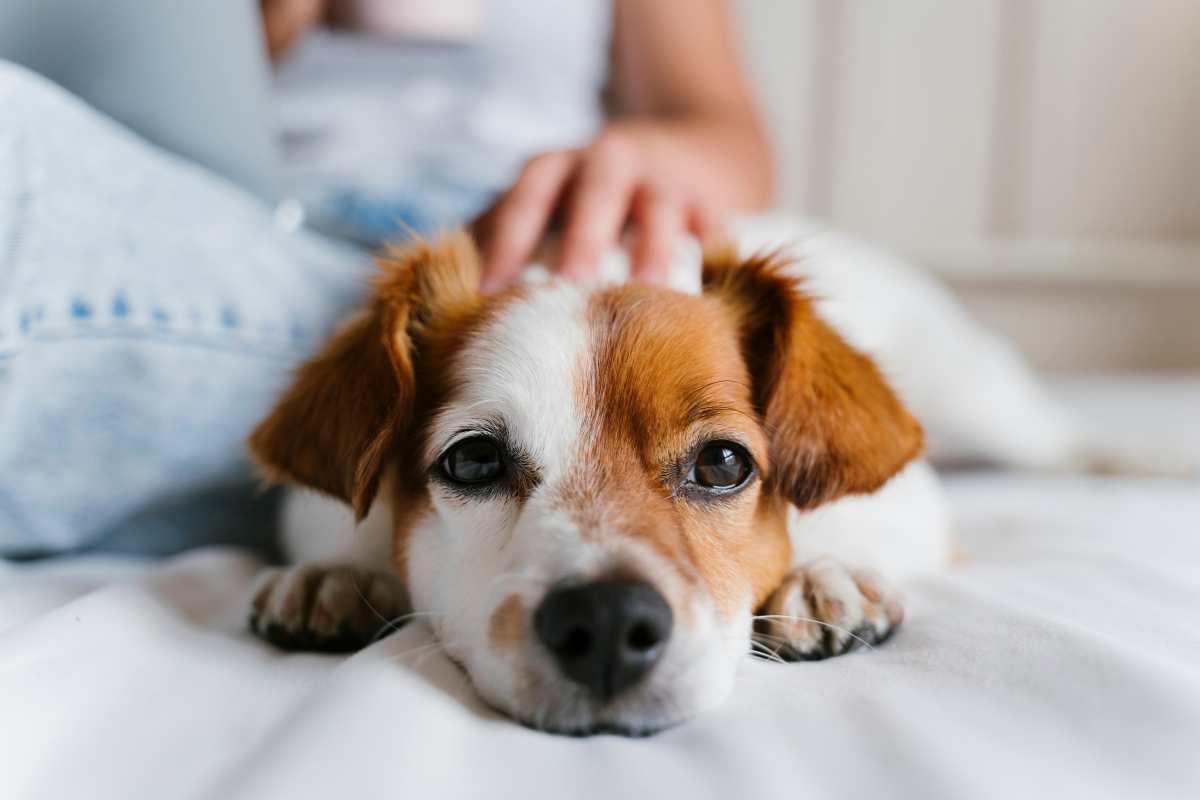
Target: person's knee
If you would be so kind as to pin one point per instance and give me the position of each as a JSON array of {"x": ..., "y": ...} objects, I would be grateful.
[
  {"x": 31, "y": 104},
  {"x": 19, "y": 85}
]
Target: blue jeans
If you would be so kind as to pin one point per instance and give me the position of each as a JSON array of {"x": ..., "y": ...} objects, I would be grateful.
[{"x": 149, "y": 313}]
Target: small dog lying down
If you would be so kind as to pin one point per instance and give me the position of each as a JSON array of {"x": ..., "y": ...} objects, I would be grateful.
[{"x": 596, "y": 495}]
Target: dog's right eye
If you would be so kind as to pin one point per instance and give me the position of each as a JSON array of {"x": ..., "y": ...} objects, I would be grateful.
[
  {"x": 721, "y": 466},
  {"x": 475, "y": 460}
]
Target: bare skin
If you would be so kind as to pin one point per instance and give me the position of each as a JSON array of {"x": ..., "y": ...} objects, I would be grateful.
[
  {"x": 285, "y": 21},
  {"x": 683, "y": 147}
]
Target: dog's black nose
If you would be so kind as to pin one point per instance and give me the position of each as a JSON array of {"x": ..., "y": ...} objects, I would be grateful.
[{"x": 605, "y": 635}]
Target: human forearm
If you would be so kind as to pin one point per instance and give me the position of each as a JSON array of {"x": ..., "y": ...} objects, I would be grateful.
[{"x": 284, "y": 21}]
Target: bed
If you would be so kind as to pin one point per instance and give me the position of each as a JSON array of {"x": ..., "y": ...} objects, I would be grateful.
[{"x": 1060, "y": 658}]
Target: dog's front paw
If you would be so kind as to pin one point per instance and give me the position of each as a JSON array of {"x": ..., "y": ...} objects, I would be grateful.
[
  {"x": 333, "y": 609},
  {"x": 823, "y": 609}
]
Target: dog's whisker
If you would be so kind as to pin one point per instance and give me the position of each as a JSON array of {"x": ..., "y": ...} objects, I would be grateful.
[
  {"x": 412, "y": 651},
  {"x": 759, "y": 647},
  {"x": 502, "y": 580},
  {"x": 425, "y": 656},
  {"x": 424, "y": 648},
  {"x": 759, "y": 650},
  {"x": 367, "y": 603},
  {"x": 389, "y": 625},
  {"x": 396, "y": 623},
  {"x": 766, "y": 646},
  {"x": 830, "y": 625}
]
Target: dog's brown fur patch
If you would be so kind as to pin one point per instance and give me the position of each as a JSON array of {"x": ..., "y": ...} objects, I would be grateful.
[
  {"x": 363, "y": 399},
  {"x": 667, "y": 375},
  {"x": 836, "y": 427},
  {"x": 507, "y": 628}
]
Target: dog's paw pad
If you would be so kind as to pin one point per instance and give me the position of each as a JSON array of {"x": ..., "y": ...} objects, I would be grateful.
[
  {"x": 824, "y": 609},
  {"x": 335, "y": 609}
]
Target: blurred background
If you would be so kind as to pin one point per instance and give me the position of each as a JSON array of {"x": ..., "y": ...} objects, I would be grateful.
[{"x": 1041, "y": 156}]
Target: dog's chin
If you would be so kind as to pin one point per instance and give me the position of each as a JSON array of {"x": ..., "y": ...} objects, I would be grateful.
[
  {"x": 609, "y": 729},
  {"x": 577, "y": 721},
  {"x": 559, "y": 707}
]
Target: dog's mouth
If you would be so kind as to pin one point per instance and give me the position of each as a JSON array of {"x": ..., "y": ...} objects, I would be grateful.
[
  {"x": 629, "y": 717},
  {"x": 593, "y": 720},
  {"x": 605, "y": 729},
  {"x": 553, "y": 706}
]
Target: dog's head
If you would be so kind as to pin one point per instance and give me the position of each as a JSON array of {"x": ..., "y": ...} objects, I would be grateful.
[{"x": 589, "y": 485}]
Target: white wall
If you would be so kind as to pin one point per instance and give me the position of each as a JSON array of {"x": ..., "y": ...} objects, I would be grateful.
[{"x": 999, "y": 139}]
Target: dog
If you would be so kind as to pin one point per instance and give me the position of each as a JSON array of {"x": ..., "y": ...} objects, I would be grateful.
[{"x": 600, "y": 498}]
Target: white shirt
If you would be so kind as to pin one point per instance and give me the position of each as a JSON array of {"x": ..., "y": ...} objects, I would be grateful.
[{"x": 428, "y": 130}]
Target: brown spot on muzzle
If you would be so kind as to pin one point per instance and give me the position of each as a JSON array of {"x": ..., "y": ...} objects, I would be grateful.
[{"x": 509, "y": 624}]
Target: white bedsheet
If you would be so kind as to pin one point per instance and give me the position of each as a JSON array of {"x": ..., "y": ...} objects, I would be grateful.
[{"x": 1062, "y": 659}]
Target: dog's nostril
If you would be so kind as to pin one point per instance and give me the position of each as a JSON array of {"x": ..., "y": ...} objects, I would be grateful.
[
  {"x": 642, "y": 636},
  {"x": 606, "y": 636}
]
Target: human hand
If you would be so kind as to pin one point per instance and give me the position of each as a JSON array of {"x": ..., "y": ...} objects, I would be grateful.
[
  {"x": 628, "y": 177},
  {"x": 284, "y": 21}
]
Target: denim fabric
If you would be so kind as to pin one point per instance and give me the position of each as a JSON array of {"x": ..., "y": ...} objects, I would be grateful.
[
  {"x": 430, "y": 204},
  {"x": 149, "y": 313}
]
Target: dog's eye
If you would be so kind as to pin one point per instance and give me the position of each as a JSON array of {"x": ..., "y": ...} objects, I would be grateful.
[
  {"x": 475, "y": 460},
  {"x": 721, "y": 465}
]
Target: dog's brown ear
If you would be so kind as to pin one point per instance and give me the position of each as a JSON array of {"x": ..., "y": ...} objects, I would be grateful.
[
  {"x": 350, "y": 406},
  {"x": 834, "y": 425}
]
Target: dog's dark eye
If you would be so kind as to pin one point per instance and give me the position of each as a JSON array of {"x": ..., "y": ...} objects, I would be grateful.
[
  {"x": 476, "y": 460},
  {"x": 721, "y": 465}
]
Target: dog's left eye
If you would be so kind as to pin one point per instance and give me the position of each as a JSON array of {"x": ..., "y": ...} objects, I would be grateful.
[
  {"x": 475, "y": 460},
  {"x": 720, "y": 465}
]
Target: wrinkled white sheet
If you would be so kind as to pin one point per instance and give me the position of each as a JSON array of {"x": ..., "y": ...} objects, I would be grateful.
[{"x": 1062, "y": 659}]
